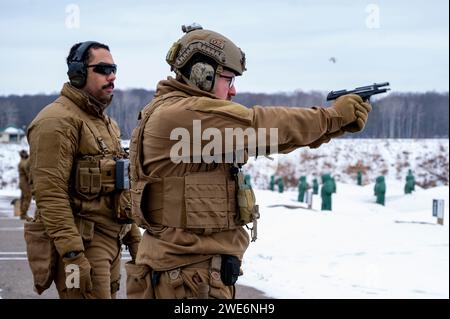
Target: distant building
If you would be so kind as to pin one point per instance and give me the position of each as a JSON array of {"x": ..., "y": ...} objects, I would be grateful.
[{"x": 11, "y": 135}]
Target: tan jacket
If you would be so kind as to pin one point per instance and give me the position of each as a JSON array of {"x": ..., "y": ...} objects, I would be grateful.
[
  {"x": 58, "y": 136},
  {"x": 171, "y": 247}
]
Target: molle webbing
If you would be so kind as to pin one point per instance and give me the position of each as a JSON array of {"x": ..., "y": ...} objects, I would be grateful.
[
  {"x": 138, "y": 179},
  {"x": 202, "y": 202}
]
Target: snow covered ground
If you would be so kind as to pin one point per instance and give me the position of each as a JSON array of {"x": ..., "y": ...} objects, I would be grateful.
[
  {"x": 358, "y": 250},
  {"x": 9, "y": 159}
]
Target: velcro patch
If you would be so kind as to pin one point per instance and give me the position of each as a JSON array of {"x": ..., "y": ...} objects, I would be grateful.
[
  {"x": 218, "y": 43},
  {"x": 48, "y": 150}
]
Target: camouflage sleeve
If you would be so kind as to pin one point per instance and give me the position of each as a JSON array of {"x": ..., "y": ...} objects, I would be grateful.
[{"x": 53, "y": 145}]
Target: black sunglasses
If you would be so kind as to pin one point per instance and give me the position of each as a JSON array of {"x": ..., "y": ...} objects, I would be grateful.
[{"x": 103, "y": 68}]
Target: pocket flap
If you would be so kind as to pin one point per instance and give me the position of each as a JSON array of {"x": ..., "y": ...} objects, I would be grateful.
[
  {"x": 85, "y": 228},
  {"x": 41, "y": 254}
]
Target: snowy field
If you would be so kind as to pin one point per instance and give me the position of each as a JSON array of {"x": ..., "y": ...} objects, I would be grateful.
[
  {"x": 358, "y": 250},
  {"x": 392, "y": 158},
  {"x": 428, "y": 158}
]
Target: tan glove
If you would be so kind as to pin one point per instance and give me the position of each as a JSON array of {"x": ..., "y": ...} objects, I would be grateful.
[
  {"x": 132, "y": 240},
  {"x": 133, "y": 248},
  {"x": 353, "y": 110},
  {"x": 85, "y": 284}
]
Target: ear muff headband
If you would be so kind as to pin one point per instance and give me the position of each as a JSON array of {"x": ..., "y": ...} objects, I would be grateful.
[{"x": 77, "y": 69}]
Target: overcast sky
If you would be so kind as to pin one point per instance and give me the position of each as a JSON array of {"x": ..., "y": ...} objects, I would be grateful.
[{"x": 288, "y": 43}]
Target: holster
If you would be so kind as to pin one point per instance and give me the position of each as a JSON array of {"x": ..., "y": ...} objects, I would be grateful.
[{"x": 229, "y": 270}]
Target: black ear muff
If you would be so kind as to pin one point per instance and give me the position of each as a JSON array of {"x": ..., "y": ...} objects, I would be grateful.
[
  {"x": 77, "y": 74},
  {"x": 77, "y": 71}
]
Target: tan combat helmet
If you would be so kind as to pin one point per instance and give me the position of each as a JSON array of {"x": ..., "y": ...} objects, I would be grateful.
[{"x": 206, "y": 45}]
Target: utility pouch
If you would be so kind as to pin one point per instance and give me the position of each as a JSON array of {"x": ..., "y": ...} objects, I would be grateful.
[
  {"x": 206, "y": 201},
  {"x": 108, "y": 173},
  {"x": 229, "y": 270},
  {"x": 85, "y": 228},
  {"x": 248, "y": 211},
  {"x": 87, "y": 178},
  {"x": 122, "y": 173},
  {"x": 246, "y": 201},
  {"x": 84, "y": 181},
  {"x": 42, "y": 255}
]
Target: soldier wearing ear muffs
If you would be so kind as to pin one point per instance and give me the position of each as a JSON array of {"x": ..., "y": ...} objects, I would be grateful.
[
  {"x": 80, "y": 182},
  {"x": 196, "y": 211}
]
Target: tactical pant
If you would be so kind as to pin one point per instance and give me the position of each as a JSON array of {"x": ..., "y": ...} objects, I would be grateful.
[
  {"x": 196, "y": 281},
  {"x": 25, "y": 200},
  {"x": 103, "y": 253}
]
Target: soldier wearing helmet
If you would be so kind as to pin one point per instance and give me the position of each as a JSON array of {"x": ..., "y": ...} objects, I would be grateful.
[
  {"x": 202, "y": 58},
  {"x": 194, "y": 209}
]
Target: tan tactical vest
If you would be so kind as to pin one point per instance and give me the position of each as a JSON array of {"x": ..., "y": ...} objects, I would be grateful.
[
  {"x": 95, "y": 175},
  {"x": 201, "y": 202}
]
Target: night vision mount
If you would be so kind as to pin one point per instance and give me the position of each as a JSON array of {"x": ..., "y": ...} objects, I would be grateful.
[{"x": 191, "y": 27}]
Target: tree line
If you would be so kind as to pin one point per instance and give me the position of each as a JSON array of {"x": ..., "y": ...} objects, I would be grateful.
[{"x": 397, "y": 115}]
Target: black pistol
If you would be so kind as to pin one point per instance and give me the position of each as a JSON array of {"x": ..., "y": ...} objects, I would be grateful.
[{"x": 365, "y": 92}]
